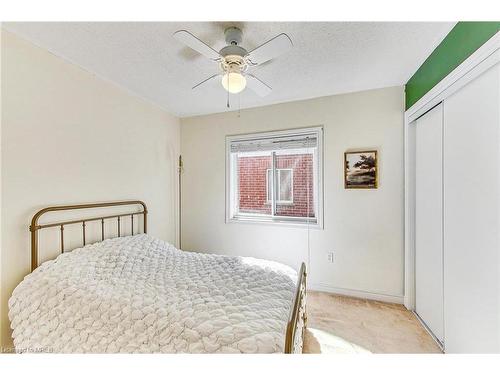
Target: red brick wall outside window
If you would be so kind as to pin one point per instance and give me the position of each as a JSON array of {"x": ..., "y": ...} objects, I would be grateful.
[{"x": 252, "y": 184}]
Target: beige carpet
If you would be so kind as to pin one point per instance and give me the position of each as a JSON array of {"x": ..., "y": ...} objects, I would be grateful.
[{"x": 338, "y": 324}]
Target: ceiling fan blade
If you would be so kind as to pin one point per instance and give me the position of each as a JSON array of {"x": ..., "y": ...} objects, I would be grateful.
[
  {"x": 206, "y": 80},
  {"x": 256, "y": 85},
  {"x": 199, "y": 46},
  {"x": 270, "y": 49}
]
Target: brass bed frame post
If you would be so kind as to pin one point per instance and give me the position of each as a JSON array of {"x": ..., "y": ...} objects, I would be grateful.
[
  {"x": 303, "y": 301},
  {"x": 83, "y": 231},
  {"x": 34, "y": 244},
  {"x": 61, "y": 229},
  {"x": 35, "y": 227},
  {"x": 180, "y": 168},
  {"x": 298, "y": 308}
]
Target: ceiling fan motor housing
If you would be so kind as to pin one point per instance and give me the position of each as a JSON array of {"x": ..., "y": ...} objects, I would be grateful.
[{"x": 233, "y": 50}]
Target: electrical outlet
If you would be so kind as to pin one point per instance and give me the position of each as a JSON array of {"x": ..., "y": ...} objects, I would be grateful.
[{"x": 330, "y": 257}]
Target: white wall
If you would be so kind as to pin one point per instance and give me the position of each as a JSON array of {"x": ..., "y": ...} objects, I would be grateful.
[
  {"x": 364, "y": 228},
  {"x": 70, "y": 137}
]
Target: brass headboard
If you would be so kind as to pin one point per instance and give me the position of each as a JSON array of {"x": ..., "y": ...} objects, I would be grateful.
[{"x": 35, "y": 227}]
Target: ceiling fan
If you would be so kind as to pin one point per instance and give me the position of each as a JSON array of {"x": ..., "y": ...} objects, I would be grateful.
[{"x": 235, "y": 62}]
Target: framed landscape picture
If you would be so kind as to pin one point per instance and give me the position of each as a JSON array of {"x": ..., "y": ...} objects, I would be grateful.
[{"x": 360, "y": 170}]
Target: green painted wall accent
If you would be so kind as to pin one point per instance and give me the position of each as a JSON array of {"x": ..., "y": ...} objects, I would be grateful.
[{"x": 461, "y": 42}]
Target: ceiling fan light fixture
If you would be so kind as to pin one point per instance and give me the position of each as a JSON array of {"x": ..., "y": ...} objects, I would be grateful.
[{"x": 234, "y": 82}]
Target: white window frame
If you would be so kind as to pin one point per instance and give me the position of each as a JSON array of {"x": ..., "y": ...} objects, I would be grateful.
[{"x": 232, "y": 180}]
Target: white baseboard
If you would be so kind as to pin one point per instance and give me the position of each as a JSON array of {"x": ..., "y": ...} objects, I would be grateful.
[{"x": 322, "y": 287}]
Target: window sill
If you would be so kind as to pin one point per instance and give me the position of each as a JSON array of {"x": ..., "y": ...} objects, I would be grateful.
[{"x": 295, "y": 223}]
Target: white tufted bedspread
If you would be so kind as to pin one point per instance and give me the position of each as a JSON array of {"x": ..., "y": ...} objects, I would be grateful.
[{"x": 140, "y": 294}]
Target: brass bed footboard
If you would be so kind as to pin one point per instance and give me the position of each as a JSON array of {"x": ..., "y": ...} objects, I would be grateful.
[{"x": 298, "y": 317}]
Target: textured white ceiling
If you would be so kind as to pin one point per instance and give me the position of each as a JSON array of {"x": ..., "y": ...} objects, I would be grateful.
[{"x": 327, "y": 57}]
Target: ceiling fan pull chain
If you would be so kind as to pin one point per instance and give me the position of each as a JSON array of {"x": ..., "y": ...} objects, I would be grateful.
[
  {"x": 239, "y": 104},
  {"x": 227, "y": 104}
]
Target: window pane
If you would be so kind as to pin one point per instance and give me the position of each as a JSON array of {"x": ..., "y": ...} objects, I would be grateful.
[
  {"x": 296, "y": 180},
  {"x": 285, "y": 185},
  {"x": 252, "y": 183}
]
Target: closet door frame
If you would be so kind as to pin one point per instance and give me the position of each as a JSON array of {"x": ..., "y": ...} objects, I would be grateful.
[{"x": 484, "y": 58}]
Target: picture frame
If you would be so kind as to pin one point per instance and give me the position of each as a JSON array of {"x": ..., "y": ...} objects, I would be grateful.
[{"x": 361, "y": 169}]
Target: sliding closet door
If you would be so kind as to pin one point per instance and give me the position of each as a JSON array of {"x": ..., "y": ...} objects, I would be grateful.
[
  {"x": 428, "y": 220},
  {"x": 471, "y": 213}
]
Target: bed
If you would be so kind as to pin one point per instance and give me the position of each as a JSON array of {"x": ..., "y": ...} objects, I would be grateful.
[{"x": 135, "y": 293}]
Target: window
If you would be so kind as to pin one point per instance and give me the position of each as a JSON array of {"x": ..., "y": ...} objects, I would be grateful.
[
  {"x": 275, "y": 177},
  {"x": 284, "y": 185}
]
